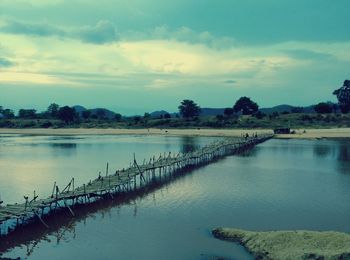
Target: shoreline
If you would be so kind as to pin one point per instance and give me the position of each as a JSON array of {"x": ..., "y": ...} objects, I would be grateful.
[
  {"x": 331, "y": 133},
  {"x": 299, "y": 244},
  {"x": 141, "y": 131}
]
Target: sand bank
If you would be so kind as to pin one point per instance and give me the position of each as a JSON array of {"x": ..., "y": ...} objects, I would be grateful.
[
  {"x": 300, "y": 134},
  {"x": 113, "y": 131},
  {"x": 290, "y": 244}
]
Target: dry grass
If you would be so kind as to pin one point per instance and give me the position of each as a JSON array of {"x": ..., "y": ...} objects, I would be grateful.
[{"x": 290, "y": 244}]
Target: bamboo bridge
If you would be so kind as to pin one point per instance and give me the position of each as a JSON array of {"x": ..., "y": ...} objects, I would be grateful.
[{"x": 123, "y": 181}]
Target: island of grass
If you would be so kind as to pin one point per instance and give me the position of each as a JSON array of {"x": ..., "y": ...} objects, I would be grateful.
[{"x": 290, "y": 244}]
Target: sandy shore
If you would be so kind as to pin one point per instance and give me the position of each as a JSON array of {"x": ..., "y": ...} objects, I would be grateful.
[
  {"x": 318, "y": 133},
  {"x": 113, "y": 131},
  {"x": 290, "y": 244},
  {"x": 300, "y": 134}
]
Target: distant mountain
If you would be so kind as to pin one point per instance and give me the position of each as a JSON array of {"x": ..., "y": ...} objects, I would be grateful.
[
  {"x": 159, "y": 113},
  {"x": 79, "y": 109},
  {"x": 206, "y": 111},
  {"x": 94, "y": 111},
  {"x": 107, "y": 113},
  {"x": 266, "y": 110},
  {"x": 278, "y": 109},
  {"x": 212, "y": 111},
  {"x": 287, "y": 108}
]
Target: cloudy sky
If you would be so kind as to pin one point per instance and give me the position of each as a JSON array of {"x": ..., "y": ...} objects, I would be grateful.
[{"x": 134, "y": 56}]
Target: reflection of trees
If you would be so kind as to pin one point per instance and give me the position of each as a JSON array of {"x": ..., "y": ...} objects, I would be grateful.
[
  {"x": 62, "y": 226},
  {"x": 189, "y": 144},
  {"x": 344, "y": 152},
  {"x": 167, "y": 143},
  {"x": 338, "y": 150},
  {"x": 64, "y": 145},
  {"x": 322, "y": 150},
  {"x": 343, "y": 157},
  {"x": 68, "y": 149}
]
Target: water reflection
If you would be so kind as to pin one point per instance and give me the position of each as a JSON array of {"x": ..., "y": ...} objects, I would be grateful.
[
  {"x": 189, "y": 144},
  {"x": 281, "y": 184},
  {"x": 30, "y": 163},
  {"x": 336, "y": 150},
  {"x": 344, "y": 152},
  {"x": 62, "y": 227},
  {"x": 64, "y": 145},
  {"x": 323, "y": 150}
]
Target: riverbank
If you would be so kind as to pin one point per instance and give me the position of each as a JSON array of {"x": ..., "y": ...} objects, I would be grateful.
[
  {"x": 300, "y": 134},
  {"x": 142, "y": 131},
  {"x": 317, "y": 133},
  {"x": 290, "y": 244}
]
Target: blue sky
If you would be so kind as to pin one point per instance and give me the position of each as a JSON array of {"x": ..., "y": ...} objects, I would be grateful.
[{"x": 135, "y": 56}]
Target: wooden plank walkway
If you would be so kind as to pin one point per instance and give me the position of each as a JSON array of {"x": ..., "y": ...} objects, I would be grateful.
[{"x": 122, "y": 181}]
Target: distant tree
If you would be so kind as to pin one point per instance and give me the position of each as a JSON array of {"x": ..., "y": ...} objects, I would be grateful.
[
  {"x": 343, "y": 96},
  {"x": 1, "y": 109},
  {"x": 323, "y": 108},
  {"x": 259, "y": 115},
  {"x": 118, "y": 117},
  {"x": 306, "y": 118},
  {"x": 335, "y": 107},
  {"x": 86, "y": 114},
  {"x": 52, "y": 110},
  {"x": 137, "y": 119},
  {"x": 8, "y": 113},
  {"x": 46, "y": 124},
  {"x": 228, "y": 112},
  {"x": 274, "y": 115},
  {"x": 101, "y": 113},
  {"x": 246, "y": 106},
  {"x": 219, "y": 117},
  {"x": 189, "y": 108},
  {"x": 297, "y": 110},
  {"x": 66, "y": 114},
  {"x": 146, "y": 116},
  {"x": 167, "y": 116},
  {"x": 27, "y": 113}
]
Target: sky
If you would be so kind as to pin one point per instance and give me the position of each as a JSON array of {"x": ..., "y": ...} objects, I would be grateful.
[{"x": 136, "y": 56}]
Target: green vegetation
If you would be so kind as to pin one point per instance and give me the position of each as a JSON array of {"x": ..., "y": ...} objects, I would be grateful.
[
  {"x": 189, "y": 109},
  {"x": 259, "y": 120},
  {"x": 290, "y": 244},
  {"x": 245, "y": 106},
  {"x": 343, "y": 95},
  {"x": 245, "y": 113},
  {"x": 324, "y": 108}
]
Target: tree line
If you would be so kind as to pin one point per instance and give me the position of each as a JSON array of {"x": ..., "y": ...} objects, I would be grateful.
[
  {"x": 246, "y": 106},
  {"x": 188, "y": 109}
]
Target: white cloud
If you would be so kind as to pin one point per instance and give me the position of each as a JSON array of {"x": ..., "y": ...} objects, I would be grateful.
[
  {"x": 181, "y": 34},
  {"x": 32, "y": 78},
  {"x": 34, "y": 3},
  {"x": 153, "y": 63},
  {"x": 195, "y": 59},
  {"x": 103, "y": 32}
]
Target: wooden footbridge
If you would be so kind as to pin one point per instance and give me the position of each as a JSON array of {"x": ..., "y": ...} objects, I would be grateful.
[{"x": 123, "y": 181}]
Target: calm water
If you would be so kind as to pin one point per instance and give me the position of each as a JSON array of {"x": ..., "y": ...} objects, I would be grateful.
[
  {"x": 281, "y": 184},
  {"x": 36, "y": 162}
]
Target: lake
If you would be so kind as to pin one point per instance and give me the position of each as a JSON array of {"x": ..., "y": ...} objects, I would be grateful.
[{"x": 280, "y": 184}]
